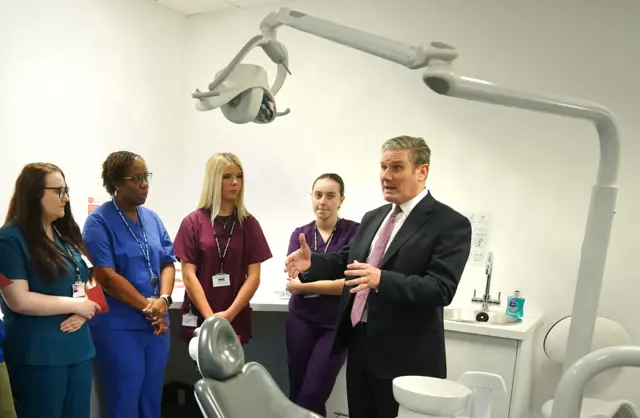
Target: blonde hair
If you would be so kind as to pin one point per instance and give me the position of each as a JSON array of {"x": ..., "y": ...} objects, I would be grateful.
[{"x": 211, "y": 194}]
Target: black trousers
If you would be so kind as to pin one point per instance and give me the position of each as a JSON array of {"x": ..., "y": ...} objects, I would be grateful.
[{"x": 367, "y": 395}]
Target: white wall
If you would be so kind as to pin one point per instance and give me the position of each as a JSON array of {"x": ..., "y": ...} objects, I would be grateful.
[
  {"x": 532, "y": 172},
  {"x": 82, "y": 78}
]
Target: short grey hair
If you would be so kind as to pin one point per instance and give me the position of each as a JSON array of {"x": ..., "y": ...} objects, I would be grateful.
[{"x": 420, "y": 151}]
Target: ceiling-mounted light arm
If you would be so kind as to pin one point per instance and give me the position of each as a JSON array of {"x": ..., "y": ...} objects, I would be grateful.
[
  {"x": 442, "y": 80},
  {"x": 409, "y": 56}
]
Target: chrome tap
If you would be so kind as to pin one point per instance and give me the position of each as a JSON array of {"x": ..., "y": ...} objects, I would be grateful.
[{"x": 486, "y": 298}]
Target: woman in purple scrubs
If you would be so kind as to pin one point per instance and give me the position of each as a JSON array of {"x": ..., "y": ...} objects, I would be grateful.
[
  {"x": 220, "y": 247},
  {"x": 313, "y": 307}
]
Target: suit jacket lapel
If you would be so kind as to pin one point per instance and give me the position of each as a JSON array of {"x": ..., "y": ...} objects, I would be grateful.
[
  {"x": 370, "y": 233},
  {"x": 417, "y": 218}
]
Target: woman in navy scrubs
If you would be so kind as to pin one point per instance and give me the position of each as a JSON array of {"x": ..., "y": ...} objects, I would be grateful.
[
  {"x": 313, "y": 307},
  {"x": 7, "y": 410},
  {"x": 48, "y": 348},
  {"x": 220, "y": 246},
  {"x": 133, "y": 260}
]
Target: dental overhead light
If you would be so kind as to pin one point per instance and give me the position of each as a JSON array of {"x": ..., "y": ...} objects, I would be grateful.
[{"x": 243, "y": 94}]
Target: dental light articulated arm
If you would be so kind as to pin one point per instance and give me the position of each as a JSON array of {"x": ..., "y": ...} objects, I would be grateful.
[
  {"x": 439, "y": 77},
  {"x": 410, "y": 56}
]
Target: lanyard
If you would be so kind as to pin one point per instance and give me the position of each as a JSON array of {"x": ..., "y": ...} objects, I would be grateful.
[
  {"x": 315, "y": 237},
  {"x": 223, "y": 255},
  {"x": 69, "y": 254},
  {"x": 145, "y": 249}
]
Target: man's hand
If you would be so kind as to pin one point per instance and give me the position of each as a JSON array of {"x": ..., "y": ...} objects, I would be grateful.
[
  {"x": 73, "y": 323},
  {"x": 298, "y": 261},
  {"x": 293, "y": 286},
  {"x": 368, "y": 276}
]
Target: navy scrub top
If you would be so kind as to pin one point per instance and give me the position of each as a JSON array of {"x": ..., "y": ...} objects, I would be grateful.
[
  {"x": 37, "y": 340},
  {"x": 1, "y": 340}
]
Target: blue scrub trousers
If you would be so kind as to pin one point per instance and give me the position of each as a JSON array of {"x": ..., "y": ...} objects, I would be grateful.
[
  {"x": 52, "y": 391},
  {"x": 131, "y": 365}
]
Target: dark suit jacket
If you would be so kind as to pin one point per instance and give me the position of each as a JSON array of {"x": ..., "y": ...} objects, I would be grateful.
[{"x": 420, "y": 274}]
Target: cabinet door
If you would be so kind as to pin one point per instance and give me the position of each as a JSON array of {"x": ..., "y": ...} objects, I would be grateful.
[{"x": 471, "y": 352}]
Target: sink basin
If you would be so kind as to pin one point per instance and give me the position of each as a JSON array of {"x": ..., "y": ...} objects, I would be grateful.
[{"x": 479, "y": 317}]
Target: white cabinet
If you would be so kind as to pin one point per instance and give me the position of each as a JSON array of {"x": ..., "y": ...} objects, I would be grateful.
[
  {"x": 469, "y": 352},
  {"x": 508, "y": 357}
]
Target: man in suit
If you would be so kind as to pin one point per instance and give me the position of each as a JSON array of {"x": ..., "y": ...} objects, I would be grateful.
[{"x": 402, "y": 267}]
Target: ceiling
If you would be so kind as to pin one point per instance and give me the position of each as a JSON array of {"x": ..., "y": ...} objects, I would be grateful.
[{"x": 191, "y": 7}]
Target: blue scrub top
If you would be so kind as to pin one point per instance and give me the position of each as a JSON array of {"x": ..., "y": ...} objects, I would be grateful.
[
  {"x": 111, "y": 245},
  {"x": 37, "y": 340}
]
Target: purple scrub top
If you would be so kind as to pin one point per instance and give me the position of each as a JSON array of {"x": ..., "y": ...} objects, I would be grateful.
[
  {"x": 320, "y": 310},
  {"x": 196, "y": 244}
]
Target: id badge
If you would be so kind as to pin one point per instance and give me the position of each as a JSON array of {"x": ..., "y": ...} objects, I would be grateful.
[
  {"x": 221, "y": 280},
  {"x": 189, "y": 320},
  {"x": 78, "y": 290}
]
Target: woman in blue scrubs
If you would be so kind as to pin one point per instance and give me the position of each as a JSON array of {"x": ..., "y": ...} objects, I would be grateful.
[
  {"x": 133, "y": 260},
  {"x": 48, "y": 348}
]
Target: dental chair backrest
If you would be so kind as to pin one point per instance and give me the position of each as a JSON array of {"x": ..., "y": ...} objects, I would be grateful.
[{"x": 231, "y": 389}]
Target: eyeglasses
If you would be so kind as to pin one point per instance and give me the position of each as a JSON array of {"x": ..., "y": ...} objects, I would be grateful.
[
  {"x": 140, "y": 178},
  {"x": 61, "y": 191}
]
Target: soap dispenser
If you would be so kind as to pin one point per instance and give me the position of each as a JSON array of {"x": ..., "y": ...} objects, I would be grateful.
[{"x": 515, "y": 305}]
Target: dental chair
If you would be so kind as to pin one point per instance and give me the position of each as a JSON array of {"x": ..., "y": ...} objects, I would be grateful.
[{"x": 229, "y": 388}]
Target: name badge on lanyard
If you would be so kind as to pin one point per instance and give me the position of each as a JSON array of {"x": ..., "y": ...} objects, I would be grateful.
[
  {"x": 222, "y": 279},
  {"x": 315, "y": 248},
  {"x": 78, "y": 289},
  {"x": 189, "y": 319},
  {"x": 153, "y": 278}
]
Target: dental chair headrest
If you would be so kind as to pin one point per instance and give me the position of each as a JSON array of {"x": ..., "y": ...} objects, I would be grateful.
[{"x": 220, "y": 354}]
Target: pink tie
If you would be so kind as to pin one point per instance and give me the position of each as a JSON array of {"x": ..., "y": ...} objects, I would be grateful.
[{"x": 374, "y": 259}]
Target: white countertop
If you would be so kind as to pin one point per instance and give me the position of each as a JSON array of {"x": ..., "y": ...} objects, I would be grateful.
[{"x": 265, "y": 301}]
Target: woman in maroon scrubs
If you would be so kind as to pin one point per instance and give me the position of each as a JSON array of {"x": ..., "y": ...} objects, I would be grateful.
[
  {"x": 313, "y": 307},
  {"x": 220, "y": 246}
]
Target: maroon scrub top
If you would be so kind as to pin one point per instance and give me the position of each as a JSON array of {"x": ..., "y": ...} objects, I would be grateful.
[
  {"x": 195, "y": 243},
  {"x": 322, "y": 310}
]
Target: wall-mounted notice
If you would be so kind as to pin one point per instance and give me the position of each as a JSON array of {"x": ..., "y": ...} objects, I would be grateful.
[
  {"x": 480, "y": 227},
  {"x": 93, "y": 204}
]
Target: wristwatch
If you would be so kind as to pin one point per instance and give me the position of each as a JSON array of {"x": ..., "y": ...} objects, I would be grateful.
[{"x": 167, "y": 299}]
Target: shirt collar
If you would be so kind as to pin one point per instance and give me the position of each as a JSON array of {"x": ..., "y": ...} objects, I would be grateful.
[{"x": 408, "y": 206}]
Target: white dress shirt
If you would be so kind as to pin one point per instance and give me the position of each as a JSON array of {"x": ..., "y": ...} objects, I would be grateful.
[{"x": 406, "y": 207}]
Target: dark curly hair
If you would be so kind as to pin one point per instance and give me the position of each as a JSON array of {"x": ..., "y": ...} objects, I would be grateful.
[{"x": 114, "y": 167}]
